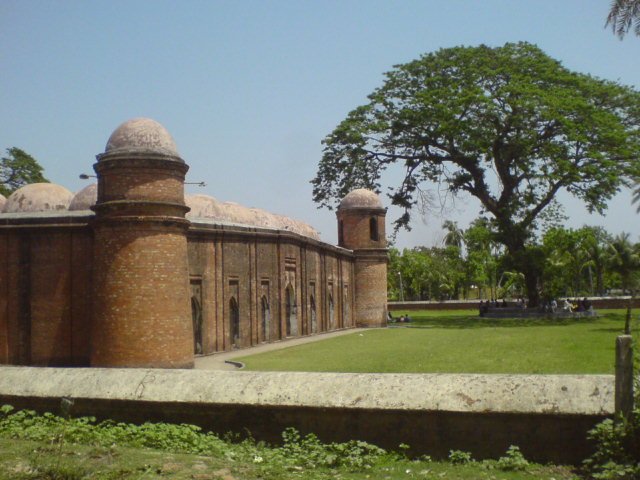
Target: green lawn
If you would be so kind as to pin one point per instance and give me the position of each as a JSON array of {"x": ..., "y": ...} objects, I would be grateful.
[{"x": 461, "y": 342}]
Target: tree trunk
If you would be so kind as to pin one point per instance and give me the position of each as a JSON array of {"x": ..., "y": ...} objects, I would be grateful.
[{"x": 528, "y": 261}]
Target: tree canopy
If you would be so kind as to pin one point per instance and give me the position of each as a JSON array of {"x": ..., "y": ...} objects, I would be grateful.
[
  {"x": 17, "y": 169},
  {"x": 509, "y": 126}
]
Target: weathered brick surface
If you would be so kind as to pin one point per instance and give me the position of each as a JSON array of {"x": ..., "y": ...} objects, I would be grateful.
[
  {"x": 363, "y": 231},
  {"x": 142, "y": 296},
  {"x": 248, "y": 266},
  {"x": 356, "y": 231},
  {"x": 142, "y": 310},
  {"x": 116, "y": 290},
  {"x": 371, "y": 290},
  {"x": 4, "y": 298},
  {"x": 50, "y": 299},
  {"x": 140, "y": 179}
]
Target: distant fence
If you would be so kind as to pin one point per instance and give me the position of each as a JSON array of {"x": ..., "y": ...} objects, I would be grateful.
[{"x": 598, "y": 302}]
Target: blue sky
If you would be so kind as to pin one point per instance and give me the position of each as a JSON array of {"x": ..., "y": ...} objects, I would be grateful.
[{"x": 248, "y": 89}]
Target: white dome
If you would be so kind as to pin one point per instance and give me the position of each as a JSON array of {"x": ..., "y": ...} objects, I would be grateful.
[
  {"x": 38, "y": 197},
  {"x": 85, "y": 198},
  {"x": 235, "y": 213},
  {"x": 203, "y": 206},
  {"x": 361, "y": 198},
  {"x": 141, "y": 135}
]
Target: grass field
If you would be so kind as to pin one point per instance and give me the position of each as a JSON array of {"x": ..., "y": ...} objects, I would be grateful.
[
  {"x": 461, "y": 342},
  {"x": 41, "y": 460}
]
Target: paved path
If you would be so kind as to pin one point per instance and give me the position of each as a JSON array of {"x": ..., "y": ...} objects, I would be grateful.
[{"x": 217, "y": 360}]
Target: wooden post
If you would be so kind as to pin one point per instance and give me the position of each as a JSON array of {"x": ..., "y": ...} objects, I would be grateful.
[{"x": 624, "y": 376}]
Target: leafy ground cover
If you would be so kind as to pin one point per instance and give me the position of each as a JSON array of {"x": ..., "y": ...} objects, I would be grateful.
[
  {"x": 461, "y": 342},
  {"x": 47, "y": 447}
]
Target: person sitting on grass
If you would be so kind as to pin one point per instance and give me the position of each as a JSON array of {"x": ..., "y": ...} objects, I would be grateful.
[{"x": 566, "y": 306}]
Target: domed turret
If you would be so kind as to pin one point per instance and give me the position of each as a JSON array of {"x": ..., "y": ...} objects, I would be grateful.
[
  {"x": 38, "y": 197},
  {"x": 85, "y": 198},
  {"x": 361, "y": 198},
  {"x": 361, "y": 228},
  {"x": 142, "y": 311},
  {"x": 361, "y": 220},
  {"x": 141, "y": 135}
]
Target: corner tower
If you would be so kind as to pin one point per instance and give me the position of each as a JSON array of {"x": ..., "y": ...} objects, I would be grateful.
[
  {"x": 361, "y": 228},
  {"x": 142, "y": 314}
]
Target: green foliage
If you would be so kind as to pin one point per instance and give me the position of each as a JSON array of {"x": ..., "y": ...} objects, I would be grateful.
[
  {"x": 509, "y": 126},
  {"x": 458, "y": 457},
  {"x": 307, "y": 451},
  {"x": 17, "y": 169},
  {"x": 576, "y": 262},
  {"x": 624, "y": 260},
  {"x": 426, "y": 273},
  {"x": 110, "y": 451},
  {"x": 617, "y": 454},
  {"x": 513, "y": 460}
]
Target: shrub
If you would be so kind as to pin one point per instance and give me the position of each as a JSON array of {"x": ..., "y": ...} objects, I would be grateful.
[
  {"x": 458, "y": 457},
  {"x": 513, "y": 460}
]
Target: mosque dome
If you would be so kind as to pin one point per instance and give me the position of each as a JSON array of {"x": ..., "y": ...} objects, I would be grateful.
[
  {"x": 3, "y": 200},
  {"x": 141, "y": 135},
  {"x": 361, "y": 198},
  {"x": 235, "y": 213},
  {"x": 38, "y": 197},
  {"x": 85, "y": 198},
  {"x": 262, "y": 218},
  {"x": 203, "y": 206}
]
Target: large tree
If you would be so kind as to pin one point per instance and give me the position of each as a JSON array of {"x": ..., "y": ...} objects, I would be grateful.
[
  {"x": 508, "y": 125},
  {"x": 17, "y": 169}
]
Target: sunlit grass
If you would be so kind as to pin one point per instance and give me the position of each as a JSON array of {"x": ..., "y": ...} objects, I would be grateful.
[{"x": 459, "y": 343}]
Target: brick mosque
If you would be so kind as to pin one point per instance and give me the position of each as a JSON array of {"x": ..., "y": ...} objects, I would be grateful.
[{"x": 131, "y": 272}]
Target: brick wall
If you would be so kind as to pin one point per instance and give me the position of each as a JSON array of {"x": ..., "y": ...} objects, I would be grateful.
[{"x": 142, "y": 297}]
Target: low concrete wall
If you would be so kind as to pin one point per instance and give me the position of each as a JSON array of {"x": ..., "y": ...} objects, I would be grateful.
[
  {"x": 547, "y": 416},
  {"x": 598, "y": 302}
]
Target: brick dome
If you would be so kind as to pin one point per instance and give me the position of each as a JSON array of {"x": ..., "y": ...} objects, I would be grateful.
[
  {"x": 203, "y": 206},
  {"x": 235, "y": 213},
  {"x": 262, "y": 218},
  {"x": 38, "y": 197},
  {"x": 141, "y": 135},
  {"x": 360, "y": 198},
  {"x": 85, "y": 198}
]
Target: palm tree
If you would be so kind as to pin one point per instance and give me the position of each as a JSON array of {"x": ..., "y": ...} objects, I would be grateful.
[
  {"x": 454, "y": 236},
  {"x": 624, "y": 14},
  {"x": 624, "y": 259}
]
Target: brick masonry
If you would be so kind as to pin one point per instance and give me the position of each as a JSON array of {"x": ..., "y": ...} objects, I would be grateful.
[{"x": 138, "y": 285}]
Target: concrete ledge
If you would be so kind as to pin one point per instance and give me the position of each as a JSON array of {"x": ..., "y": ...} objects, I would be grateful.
[{"x": 547, "y": 416}]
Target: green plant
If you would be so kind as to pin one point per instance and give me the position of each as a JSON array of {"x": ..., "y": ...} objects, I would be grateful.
[
  {"x": 513, "y": 460},
  {"x": 617, "y": 453},
  {"x": 458, "y": 457},
  {"x": 308, "y": 451}
]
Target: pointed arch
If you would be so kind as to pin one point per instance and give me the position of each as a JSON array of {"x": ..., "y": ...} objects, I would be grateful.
[
  {"x": 332, "y": 322},
  {"x": 265, "y": 319},
  {"x": 234, "y": 322},
  {"x": 291, "y": 321},
  {"x": 312, "y": 311},
  {"x": 196, "y": 318}
]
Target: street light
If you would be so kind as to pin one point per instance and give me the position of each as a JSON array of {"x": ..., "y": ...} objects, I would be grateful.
[{"x": 401, "y": 287}]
